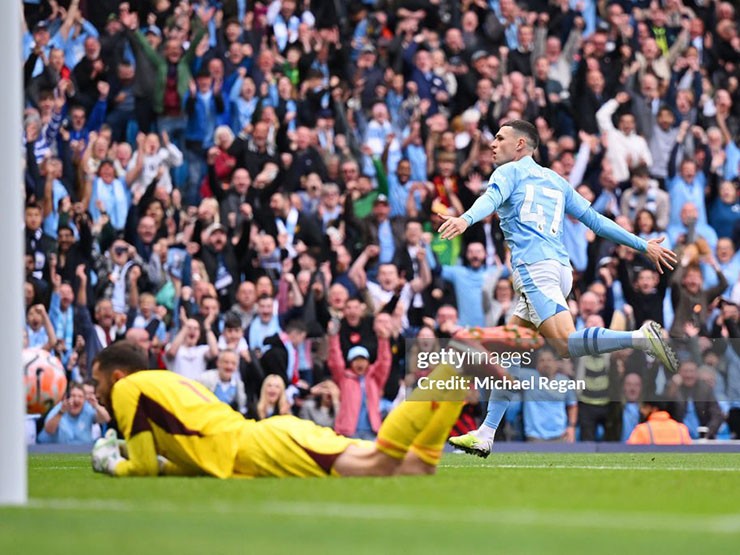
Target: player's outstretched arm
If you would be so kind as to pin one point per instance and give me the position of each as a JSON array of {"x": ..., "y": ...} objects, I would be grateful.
[
  {"x": 604, "y": 227},
  {"x": 452, "y": 227},
  {"x": 659, "y": 255},
  {"x": 485, "y": 205}
]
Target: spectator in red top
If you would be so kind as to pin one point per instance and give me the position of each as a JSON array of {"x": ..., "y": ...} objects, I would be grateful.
[{"x": 361, "y": 384}]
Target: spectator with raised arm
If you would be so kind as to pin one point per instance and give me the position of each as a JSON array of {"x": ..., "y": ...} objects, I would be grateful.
[
  {"x": 70, "y": 422},
  {"x": 184, "y": 355},
  {"x": 625, "y": 148},
  {"x": 360, "y": 382}
]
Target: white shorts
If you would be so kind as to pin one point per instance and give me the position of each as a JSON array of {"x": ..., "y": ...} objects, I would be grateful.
[{"x": 542, "y": 288}]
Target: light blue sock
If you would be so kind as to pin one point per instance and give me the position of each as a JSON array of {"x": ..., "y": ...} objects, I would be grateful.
[
  {"x": 496, "y": 410},
  {"x": 597, "y": 341},
  {"x": 497, "y": 405}
]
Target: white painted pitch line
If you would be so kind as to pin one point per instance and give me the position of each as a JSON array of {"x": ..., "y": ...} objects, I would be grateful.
[
  {"x": 494, "y": 466},
  {"x": 516, "y": 466},
  {"x": 701, "y": 524},
  {"x": 727, "y": 524},
  {"x": 76, "y": 467}
]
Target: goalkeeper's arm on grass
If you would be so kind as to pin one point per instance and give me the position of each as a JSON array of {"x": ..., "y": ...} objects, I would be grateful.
[
  {"x": 137, "y": 455},
  {"x": 119, "y": 457}
]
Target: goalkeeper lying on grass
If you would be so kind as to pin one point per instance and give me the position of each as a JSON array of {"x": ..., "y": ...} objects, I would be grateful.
[{"x": 175, "y": 426}]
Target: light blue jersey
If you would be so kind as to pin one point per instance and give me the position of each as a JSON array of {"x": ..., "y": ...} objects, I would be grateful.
[{"x": 531, "y": 202}]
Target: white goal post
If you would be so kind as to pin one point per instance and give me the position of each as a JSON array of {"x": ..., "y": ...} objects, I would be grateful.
[{"x": 13, "y": 473}]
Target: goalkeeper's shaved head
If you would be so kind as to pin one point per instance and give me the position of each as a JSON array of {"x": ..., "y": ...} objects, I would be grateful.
[
  {"x": 122, "y": 355},
  {"x": 525, "y": 129}
]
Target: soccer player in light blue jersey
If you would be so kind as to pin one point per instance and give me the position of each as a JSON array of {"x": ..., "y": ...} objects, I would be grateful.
[{"x": 531, "y": 202}]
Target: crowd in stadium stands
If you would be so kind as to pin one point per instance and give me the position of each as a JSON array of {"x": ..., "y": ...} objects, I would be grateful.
[{"x": 250, "y": 190}]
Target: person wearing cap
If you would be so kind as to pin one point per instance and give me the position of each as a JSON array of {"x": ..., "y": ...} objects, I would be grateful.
[
  {"x": 109, "y": 196},
  {"x": 36, "y": 45},
  {"x": 369, "y": 73},
  {"x": 145, "y": 78},
  {"x": 360, "y": 382},
  {"x": 221, "y": 261}
]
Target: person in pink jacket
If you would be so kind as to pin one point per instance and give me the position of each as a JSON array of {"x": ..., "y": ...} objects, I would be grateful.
[{"x": 360, "y": 383}]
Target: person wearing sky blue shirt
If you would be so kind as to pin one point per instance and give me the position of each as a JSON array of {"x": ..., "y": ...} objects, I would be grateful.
[
  {"x": 724, "y": 212},
  {"x": 728, "y": 263},
  {"x": 51, "y": 202},
  {"x": 109, "y": 196},
  {"x": 689, "y": 227},
  {"x": 687, "y": 187},
  {"x": 72, "y": 34},
  {"x": 399, "y": 186},
  {"x": 548, "y": 414},
  {"x": 531, "y": 202},
  {"x": 466, "y": 280},
  {"x": 71, "y": 421}
]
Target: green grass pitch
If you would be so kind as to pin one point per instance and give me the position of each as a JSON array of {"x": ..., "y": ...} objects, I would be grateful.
[{"x": 510, "y": 503}]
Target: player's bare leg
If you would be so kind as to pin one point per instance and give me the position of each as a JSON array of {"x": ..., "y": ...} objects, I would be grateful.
[
  {"x": 557, "y": 329},
  {"x": 412, "y": 465},
  {"x": 358, "y": 460},
  {"x": 521, "y": 322}
]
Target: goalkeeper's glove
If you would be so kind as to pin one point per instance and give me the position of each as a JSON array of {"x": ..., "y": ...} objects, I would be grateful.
[{"x": 106, "y": 453}]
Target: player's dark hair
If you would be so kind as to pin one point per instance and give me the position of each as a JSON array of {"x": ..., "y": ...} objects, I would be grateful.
[
  {"x": 526, "y": 129},
  {"x": 122, "y": 355}
]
